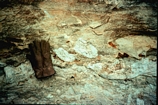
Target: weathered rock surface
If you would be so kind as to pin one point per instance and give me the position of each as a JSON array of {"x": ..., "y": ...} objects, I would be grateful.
[
  {"x": 136, "y": 46},
  {"x": 64, "y": 55},
  {"x": 129, "y": 69},
  {"x": 103, "y": 52},
  {"x": 85, "y": 49},
  {"x": 9, "y": 74}
]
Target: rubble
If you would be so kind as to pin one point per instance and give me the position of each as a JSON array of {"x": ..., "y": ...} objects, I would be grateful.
[{"x": 103, "y": 52}]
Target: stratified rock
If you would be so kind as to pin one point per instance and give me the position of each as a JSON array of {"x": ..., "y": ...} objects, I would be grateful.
[
  {"x": 64, "y": 55},
  {"x": 85, "y": 49}
]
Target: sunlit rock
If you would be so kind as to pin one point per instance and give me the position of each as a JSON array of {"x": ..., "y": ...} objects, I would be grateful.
[
  {"x": 108, "y": 27},
  {"x": 135, "y": 45},
  {"x": 85, "y": 49},
  {"x": 99, "y": 30},
  {"x": 64, "y": 55},
  {"x": 70, "y": 21},
  {"x": 95, "y": 24},
  {"x": 95, "y": 67}
]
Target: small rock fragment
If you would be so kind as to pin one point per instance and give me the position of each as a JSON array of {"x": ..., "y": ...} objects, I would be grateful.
[
  {"x": 64, "y": 55},
  {"x": 95, "y": 24}
]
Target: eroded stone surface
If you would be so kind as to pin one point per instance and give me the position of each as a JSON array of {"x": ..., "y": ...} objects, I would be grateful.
[
  {"x": 64, "y": 55},
  {"x": 85, "y": 49},
  {"x": 135, "y": 45},
  {"x": 97, "y": 75}
]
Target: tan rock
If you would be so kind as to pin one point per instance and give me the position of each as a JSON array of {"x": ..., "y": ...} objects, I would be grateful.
[
  {"x": 70, "y": 21},
  {"x": 95, "y": 24},
  {"x": 135, "y": 45},
  {"x": 99, "y": 30}
]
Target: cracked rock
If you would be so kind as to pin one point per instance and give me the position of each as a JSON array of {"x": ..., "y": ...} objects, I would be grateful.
[
  {"x": 85, "y": 49},
  {"x": 64, "y": 55}
]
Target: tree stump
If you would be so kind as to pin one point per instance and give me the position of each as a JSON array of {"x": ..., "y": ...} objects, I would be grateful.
[{"x": 40, "y": 59}]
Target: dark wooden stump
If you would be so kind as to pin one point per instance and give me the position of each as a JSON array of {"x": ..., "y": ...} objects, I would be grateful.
[{"x": 40, "y": 59}]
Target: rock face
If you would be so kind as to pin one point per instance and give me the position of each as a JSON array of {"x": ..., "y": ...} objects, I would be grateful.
[{"x": 102, "y": 51}]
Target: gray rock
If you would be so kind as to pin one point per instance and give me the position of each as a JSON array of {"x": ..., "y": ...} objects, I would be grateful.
[
  {"x": 71, "y": 97},
  {"x": 131, "y": 70},
  {"x": 64, "y": 55},
  {"x": 139, "y": 102},
  {"x": 9, "y": 74},
  {"x": 85, "y": 49},
  {"x": 129, "y": 99},
  {"x": 143, "y": 67},
  {"x": 2, "y": 64}
]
